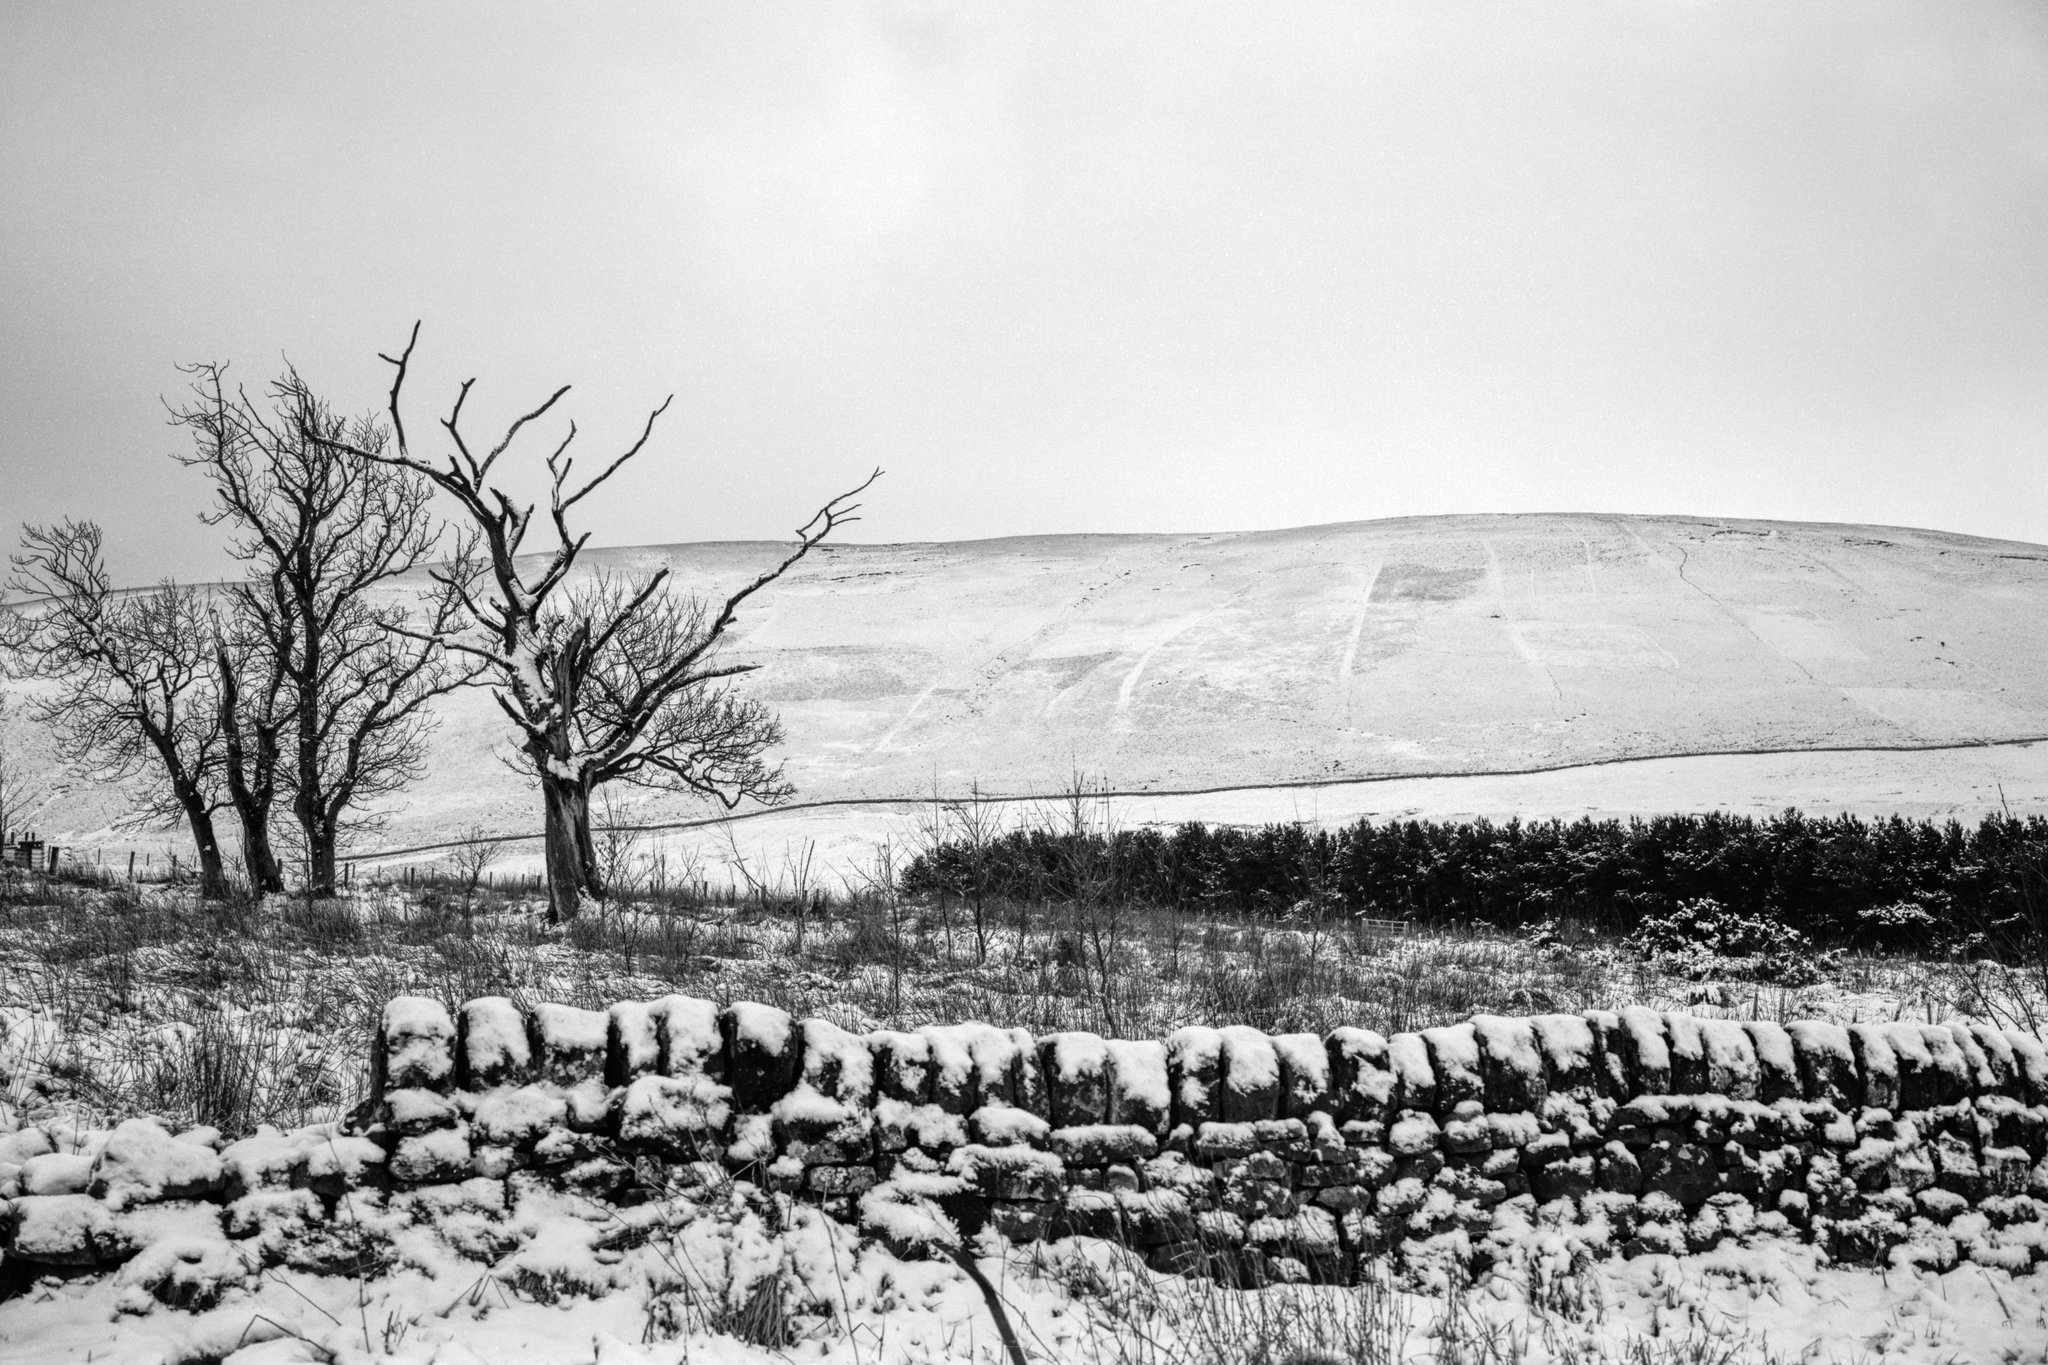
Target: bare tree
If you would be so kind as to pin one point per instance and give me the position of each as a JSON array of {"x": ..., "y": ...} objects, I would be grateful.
[
  {"x": 976, "y": 824},
  {"x": 253, "y": 714},
  {"x": 22, "y": 795},
  {"x": 618, "y": 681},
  {"x": 476, "y": 854},
  {"x": 621, "y": 849},
  {"x": 135, "y": 696},
  {"x": 319, "y": 690}
]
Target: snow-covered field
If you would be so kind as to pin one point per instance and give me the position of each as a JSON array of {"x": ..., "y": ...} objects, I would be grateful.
[{"x": 1077, "y": 1300}]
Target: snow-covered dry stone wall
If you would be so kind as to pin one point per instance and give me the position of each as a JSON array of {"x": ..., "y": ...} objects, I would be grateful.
[{"x": 1222, "y": 1150}]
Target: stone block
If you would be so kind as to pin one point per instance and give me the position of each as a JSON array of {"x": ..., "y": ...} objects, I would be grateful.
[
  {"x": 692, "y": 1037},
  {"x": 1511, "y": 1067},
  {"x": 1287, "y": 1139},
  {"x": 1340, "y": 1198},
  {"x": 1140, "y": 1087},
  {"x": 1894, "y": 1055},
  {"x": 441, "y": 1157},
  {"x": 1249, "y": 1072},
  {"x": 1027, "y": 1077},
  {"x": 2030, "y": 1062},
  {"x": 1645, "y": 1051},
  {"x": 269, "y": 1160},
  {"x": 1023, "y": 1220},
  {"x": 1467, "y": 1131},
  {"x": 1740, "y": 1171},
  {"x": 2005, "y": 1170},
  {"x": 143, "y": 1164},
  {"x": 1516, "y": 1130},
  {"x": 1156, "y": 1218},
  {"x": 835, "y": 1064},
  {"x": 1414, "y": 1133},
  {"x": 51, "y": 1173},
  {"x": 1957, "y": 1167},
  {"x": 492, "y": 1044},
  {"x": 2007, "y": 1122},
  {"x": 632, "y": 1042},
  {"x": 1731, "y": 1061},
  {"x": 1006, "y": 1125},
  {"x": 838, "y": 1182},
  {"x": 1687, "y": 1048},
  {"x": 976, "y": 1064},
  {"x": 1683, "y": 1170},
  {"x": 1194, "y": 1069},
  {"x": 1362, "y": 1084},
  {"x": 1617, "y": 1169},
  {"x": 1454, "y": 1059},
  {"x": 1500, "y": 1165},
  {"x": 1103, "y": 1144},
  {"x": 1610, "y": 1055},
  {"x": 762, "y": 1054},
  {"x": 1777, "y": 1062},
  {"x": 1076, "y": 1071},
  {"x": 1085, "y": 1212},
  {"x": 569, "y": 1045},
  {"x": 903, "y": 1066},
  {"x": 1304, "y": 1074},
  {"x": 1827, "y": 1063},
  {"x": 63, "y": 1230},
  {"x": 413, "y": 1110},
  {"x": 1987, "y": 1057},
  {"x": 415, "y": 1046},
  {"x": 518, "y": 1117},
  {"x": 1948, "y": 1069},
  {"x": 683, "y": 1117},
  {"x": 1414, "y": 1073},
  {"x": 1569, "y": 1053},
  {"x": 1008, "y": 1172},
  {"x": 1224, "y": 1141}
]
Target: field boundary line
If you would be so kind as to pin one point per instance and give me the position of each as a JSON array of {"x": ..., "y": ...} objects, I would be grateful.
[{"x": 1291, "y": 784}]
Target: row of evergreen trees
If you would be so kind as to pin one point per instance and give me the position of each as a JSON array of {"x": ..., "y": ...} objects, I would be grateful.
[{"x": 1892, "y": 883}]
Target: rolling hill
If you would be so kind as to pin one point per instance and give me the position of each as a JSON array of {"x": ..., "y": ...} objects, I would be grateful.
[{"x": 1420, "y": 650}]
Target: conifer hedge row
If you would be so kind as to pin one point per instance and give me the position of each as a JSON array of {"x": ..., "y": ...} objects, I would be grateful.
[{"x": 1891, "y": 883}]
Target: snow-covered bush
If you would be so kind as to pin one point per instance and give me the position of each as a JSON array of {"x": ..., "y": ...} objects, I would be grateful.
[
  {"x": 1700, "y": 939},
  {"x": 1547, "y": 938}
]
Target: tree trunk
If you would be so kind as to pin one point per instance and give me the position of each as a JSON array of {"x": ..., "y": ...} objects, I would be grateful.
[
  {"x": 252, "y": 809},
  {"x": 252, "y": 781},
  {"x": 213, "y": 879},
  {"x": 266, "y": 870},
  {"x": 321, "y": 839},
  {"x": 571, "y": 853},
  {"x": 309, "y": 793}
]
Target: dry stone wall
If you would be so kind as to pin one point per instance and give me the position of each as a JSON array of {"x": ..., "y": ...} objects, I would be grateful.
[{"x": 1224, "y": 1150}]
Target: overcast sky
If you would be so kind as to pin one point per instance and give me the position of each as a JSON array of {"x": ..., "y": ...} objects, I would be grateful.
[{"x": 1152, "y": 267}]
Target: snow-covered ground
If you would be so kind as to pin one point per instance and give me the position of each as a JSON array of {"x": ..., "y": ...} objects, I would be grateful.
[
  {"x": 844, "y": 839},
  {"x": 1078, "y": 1300}
]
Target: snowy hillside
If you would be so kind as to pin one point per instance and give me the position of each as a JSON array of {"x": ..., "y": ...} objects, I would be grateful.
[{"x": 1420, "y": 646}]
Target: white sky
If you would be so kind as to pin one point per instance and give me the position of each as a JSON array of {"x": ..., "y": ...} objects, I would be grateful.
[{"x": 1059, "y": 268}]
